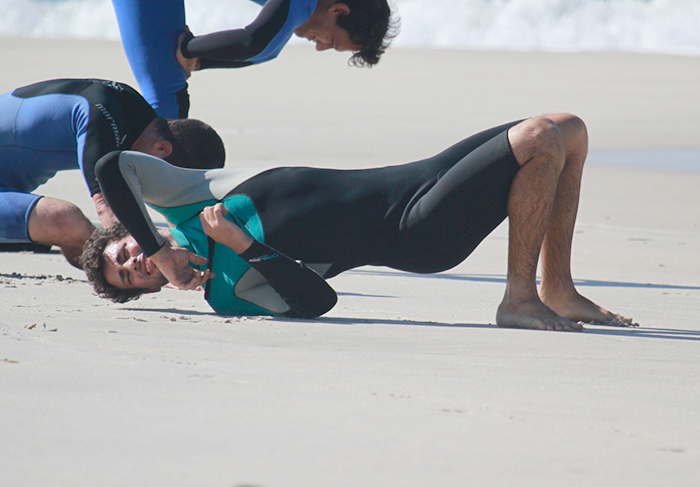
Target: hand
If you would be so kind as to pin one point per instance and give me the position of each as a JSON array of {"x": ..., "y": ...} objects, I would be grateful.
[
  {"x": 187, "y": 64},
  {"x": 222, "y": 230},
  {"x": 174, "y": 264}
]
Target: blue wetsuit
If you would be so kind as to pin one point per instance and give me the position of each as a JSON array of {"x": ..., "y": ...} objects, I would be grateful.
[
  {"x": 150, "y": 29},
  {"x": 58, "y": 125}
]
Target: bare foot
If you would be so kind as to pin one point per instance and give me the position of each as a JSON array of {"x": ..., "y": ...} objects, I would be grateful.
[
  {"x": 579, "y": 308},
  {"x": 533, "y": 315}
]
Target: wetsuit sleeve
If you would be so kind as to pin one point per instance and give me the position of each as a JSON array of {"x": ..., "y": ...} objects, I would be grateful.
[
  {"x": 306, "y": 293},
  {"x": 123, "y": 194},
  {"x": 234, "y": 48},
  {"x": 128, "y": 179}
]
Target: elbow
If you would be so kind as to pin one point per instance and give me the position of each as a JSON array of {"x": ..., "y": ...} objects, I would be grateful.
[{"x": 320, "y": 306}]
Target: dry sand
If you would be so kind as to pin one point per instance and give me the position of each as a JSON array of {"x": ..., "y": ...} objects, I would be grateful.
[{"x": 406, "y": 382}]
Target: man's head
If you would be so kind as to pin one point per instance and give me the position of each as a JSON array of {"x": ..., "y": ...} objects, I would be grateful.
[
  {"x": 185, "y": 143},
  {"x": 116, "y": 266},
  {"x": 362, "y": 26}
]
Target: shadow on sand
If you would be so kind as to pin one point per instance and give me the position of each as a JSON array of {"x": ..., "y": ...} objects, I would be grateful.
[
  {"x": 631, "y": 332},
  {"x": 500, "y": 279}
]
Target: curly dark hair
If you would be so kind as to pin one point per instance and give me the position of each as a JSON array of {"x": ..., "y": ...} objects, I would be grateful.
[
  {"x": 93, "y": 262},
  {"x": 369, "y": 24},
  {"x": 196, "y": 145}
]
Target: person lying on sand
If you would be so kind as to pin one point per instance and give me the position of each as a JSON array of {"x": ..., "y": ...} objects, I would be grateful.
[
  {"x": 272, "y": 239},
  {"x": 163, "y": 53},
  {"x": 63, "y": 124}
]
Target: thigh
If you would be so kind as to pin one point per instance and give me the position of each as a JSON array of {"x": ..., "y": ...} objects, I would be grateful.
[
  {"x": 15, "y": 208},
  {"x": 447, "y": 221}
]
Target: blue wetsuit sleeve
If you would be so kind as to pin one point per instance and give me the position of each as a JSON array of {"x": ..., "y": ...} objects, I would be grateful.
[
  {"x": 272, "y": 28},
  {"x": 306, "y": 293}
]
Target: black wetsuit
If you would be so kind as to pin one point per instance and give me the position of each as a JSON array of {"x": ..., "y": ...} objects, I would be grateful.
[{"x": 425, "y": 217}]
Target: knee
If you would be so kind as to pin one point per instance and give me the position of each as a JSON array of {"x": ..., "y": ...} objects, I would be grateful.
[
  {"x": 575, "y": 134},
  {"x": 68, "y": 216},
  {"x": 538, "y": 137},
  {"x": 57, "y": 222},
  {"x": 74, "y": 223},
  {"x": 575, "y": 124}
]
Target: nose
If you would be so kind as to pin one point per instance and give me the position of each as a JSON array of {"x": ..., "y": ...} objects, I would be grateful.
[
  {"x": 132, "y": 263},
  {"x": 323, "y": 46}
]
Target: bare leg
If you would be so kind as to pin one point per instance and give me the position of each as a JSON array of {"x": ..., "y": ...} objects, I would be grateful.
[
  {"x": 57, "y": 222},
  {"x": 539, "y": 148},
  {"x": 557, "y": 289}
]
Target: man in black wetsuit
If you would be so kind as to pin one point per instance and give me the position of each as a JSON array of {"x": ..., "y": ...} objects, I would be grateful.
[
  {"x": 424, "y": 217},
  {"x": 66, "y": 124}
]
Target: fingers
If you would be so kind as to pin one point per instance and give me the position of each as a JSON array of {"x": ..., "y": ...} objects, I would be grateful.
[
  {"x": 197, "y": 259},
  {"x": 210, "y": 213},
  {"x": 196, "y": 279}
]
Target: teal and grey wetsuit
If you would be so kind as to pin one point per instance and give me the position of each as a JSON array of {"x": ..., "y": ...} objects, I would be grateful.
[{"x": 425, "y": 217}]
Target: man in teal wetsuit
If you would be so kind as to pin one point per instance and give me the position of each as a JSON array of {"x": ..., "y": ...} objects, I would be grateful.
[
  {"x": 424, "y": 217},
  {"x": 150, "y": 30}
]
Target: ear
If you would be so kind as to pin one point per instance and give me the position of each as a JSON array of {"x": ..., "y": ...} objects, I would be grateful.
[
  {"x": 339, "y": 9},
  {"x": 162, "y": 148}
]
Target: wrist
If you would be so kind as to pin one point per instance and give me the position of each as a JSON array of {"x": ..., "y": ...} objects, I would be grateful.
[
  {"x": 240, "y": 244},
  {"x": 183, "y": 46},
  {"x": 161, "y": 255}
]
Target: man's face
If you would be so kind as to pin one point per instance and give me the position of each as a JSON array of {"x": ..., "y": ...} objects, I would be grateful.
[
  {"x": 322, "y": 28},
  {"x": 127, "y": 267}
]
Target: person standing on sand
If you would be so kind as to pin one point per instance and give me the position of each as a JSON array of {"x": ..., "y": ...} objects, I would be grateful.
[
  {"x": 163, "y": 53},
  {"x": 423, "y": 217},
  {"x": 65, "y": 124}
]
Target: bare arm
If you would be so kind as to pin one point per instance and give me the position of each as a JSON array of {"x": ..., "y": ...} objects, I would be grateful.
[
  {"x": 222, "y": 230},
  {"x": 104, "y": 212}
]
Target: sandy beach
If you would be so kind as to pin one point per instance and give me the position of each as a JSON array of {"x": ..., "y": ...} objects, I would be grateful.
[{"x": 407, "y": 381}]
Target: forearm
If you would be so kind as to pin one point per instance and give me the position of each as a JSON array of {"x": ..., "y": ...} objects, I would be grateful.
[
  {"x": 104, "y": 212},
  {"x": 233, "y": 48}
]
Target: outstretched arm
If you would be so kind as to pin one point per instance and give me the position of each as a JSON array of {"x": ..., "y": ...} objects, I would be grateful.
[
  {"x": 235, "y": 48},
  {"x": 306, "y": 293},
  {"x": 121, "y": 188}
]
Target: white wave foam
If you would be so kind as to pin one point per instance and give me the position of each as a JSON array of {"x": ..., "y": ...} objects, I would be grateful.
[{"x": 630, "y": 25}]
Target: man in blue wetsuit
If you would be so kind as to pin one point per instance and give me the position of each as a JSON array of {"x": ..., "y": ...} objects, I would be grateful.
[
  {"x": 154, "y": 31},
  {"x": 65, "y": 124},
  {"x": 424, "y": 217}
]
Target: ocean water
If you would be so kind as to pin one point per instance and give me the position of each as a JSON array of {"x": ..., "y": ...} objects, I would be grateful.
[
  {"x": 675, "y": 160},
  {"x": 659, "y": 26}
]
